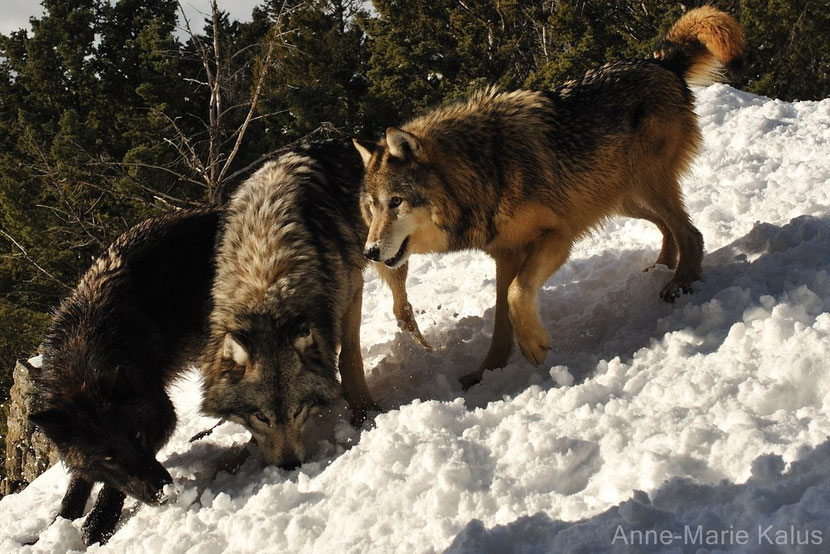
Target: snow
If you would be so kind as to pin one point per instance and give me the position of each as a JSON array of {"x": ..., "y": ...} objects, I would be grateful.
[{"x": 649, "y": 427}]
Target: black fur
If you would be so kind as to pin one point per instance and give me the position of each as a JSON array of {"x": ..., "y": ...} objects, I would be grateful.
[{"x": 136, "y": 316}]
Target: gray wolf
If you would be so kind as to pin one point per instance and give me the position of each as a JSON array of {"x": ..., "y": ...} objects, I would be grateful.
[
  {"x": 288, "y": 294},
  {"x": 522, "y": 175},
  {"x": 137, "y": 315}
]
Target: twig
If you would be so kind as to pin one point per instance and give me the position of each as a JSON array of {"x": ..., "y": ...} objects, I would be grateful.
[
  {"x": 32, "y": 261},
  {"x": 257, "y": 90}
]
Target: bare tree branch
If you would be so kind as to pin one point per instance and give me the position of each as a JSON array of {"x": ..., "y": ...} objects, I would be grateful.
[
  {"x": 263, "y": 72},
  {"x": 32, "y": 261},
  {"x": 189, "y": 153},
  {"x": 214, "y": 165}
]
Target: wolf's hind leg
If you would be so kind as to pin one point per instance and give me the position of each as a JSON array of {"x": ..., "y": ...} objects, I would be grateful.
[
  {"x": 544, "y": 257},
  {"x": 396, "y": 280},
  {"x": 74, "y": 501},
  {"x": 507, "y": 265},
  {"x": 670, "y": 209},
  {"x": 668, "y": 252},
  {"x": 353, "y": 380},
  {"x": 100, "y": 523}
]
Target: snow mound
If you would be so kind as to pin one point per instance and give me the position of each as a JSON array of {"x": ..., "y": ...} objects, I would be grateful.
[{"x": 649, "y": 427}]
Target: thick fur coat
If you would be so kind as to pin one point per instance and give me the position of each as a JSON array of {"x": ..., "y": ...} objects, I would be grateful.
[
  {"x": 287, "y": 298},
  {"x": 138, "y": 314},
  {"x": 522, "y": 175}
]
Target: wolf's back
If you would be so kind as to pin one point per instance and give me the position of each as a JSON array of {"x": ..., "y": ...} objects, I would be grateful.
[
  {"x": 148, "y": 293},
  {"x": 702, "y": 44}
]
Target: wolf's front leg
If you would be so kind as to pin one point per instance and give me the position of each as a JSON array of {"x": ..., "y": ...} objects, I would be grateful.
[
  {"x": 544, "y": 257},
  {"x": 352, "y": 378},
  {"x": 396, "y": 280},
  {"x": 507, "y": 265},
  {"x": 74, "y": 501},
  {"x": 100, "y": 523}
]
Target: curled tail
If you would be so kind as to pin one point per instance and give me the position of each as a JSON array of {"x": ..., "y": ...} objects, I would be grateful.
[{"x": 702, "y": 45}]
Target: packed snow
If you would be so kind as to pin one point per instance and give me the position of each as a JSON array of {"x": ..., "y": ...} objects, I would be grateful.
[{"x": 701, "y": 424}]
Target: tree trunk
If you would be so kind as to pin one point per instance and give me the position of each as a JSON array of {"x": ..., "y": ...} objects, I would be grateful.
[{"x": 28, "y": 452}]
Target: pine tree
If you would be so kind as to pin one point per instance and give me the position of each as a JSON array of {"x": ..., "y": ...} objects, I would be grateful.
[
  {"x": 788, "y": 54},
  {"x": 320, "y": 76}
]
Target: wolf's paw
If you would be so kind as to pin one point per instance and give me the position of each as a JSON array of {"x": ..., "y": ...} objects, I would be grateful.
[
  {"x": 470, "y": 379},
  {"x": 534, "y": 345},
  {"x": 360, "y": 415},
  {"x": 675, "y": 288},
  {"x": 407, "y": 322},
  {"x": 99, "y": 525},
  {"x": 411, "y": 327},
  {"x": 96, "y": 531}
]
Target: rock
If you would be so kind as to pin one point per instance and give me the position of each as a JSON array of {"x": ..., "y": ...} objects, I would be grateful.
[{"x": 28, "y": 452}]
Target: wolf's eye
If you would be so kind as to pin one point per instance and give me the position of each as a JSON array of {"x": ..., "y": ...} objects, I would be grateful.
[
  {"x": 108, "y": 462},
  {"x": 395, "y": 201},
  {"x": 306, "y": 411},
  {"x": 301, "y": 412},
  {"x": 262, "y": 417}
]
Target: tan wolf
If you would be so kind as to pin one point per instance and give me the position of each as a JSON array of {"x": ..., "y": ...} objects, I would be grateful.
[{"x": 523, "y": 175}]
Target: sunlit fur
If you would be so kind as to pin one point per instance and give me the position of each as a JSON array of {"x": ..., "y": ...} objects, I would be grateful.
[
  {"x": 288, "y": 295},
  {"x": 522, "y": 175}
]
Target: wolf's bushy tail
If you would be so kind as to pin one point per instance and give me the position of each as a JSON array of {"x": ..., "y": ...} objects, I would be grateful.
[{"x": 702, "y": 45}]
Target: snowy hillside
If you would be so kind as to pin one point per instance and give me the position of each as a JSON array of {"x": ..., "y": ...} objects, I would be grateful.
[{"x": 709, "y": 416}]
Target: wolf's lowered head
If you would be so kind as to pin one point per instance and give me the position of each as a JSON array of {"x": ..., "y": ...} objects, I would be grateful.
[
  {"x": 109, "y": 429},
  {"x": 275, "y": 388}
]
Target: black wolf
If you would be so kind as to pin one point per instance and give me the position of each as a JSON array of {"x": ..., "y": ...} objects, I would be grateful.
[{"x": 138, "y": 314}]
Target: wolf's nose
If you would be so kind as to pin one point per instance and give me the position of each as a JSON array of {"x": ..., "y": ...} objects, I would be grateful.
[
  {"x": 290, "y": 465},
  {"x": 373, "y": 253},
  {"x": 156, "y": 483}
]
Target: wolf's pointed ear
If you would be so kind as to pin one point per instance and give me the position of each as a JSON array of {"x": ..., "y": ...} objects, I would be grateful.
[
  {"x": 304, "y": 339},
  {"x": 402, "y": 144},
  {"x": 365, "y": 149},
  {"x": 53, "y": 421},
  {"x": 121, "y": 385},
  {"x": 232, "y": 349}
]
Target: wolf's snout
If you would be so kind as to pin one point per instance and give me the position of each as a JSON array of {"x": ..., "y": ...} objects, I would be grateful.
[
  {"x": 154, "y": 486},
  {"x": 290, "y": 464},
  {"x": 152, "y": 494},
  {"x": 372, "y": 252},
  {"x": 163, "y": 480}
]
